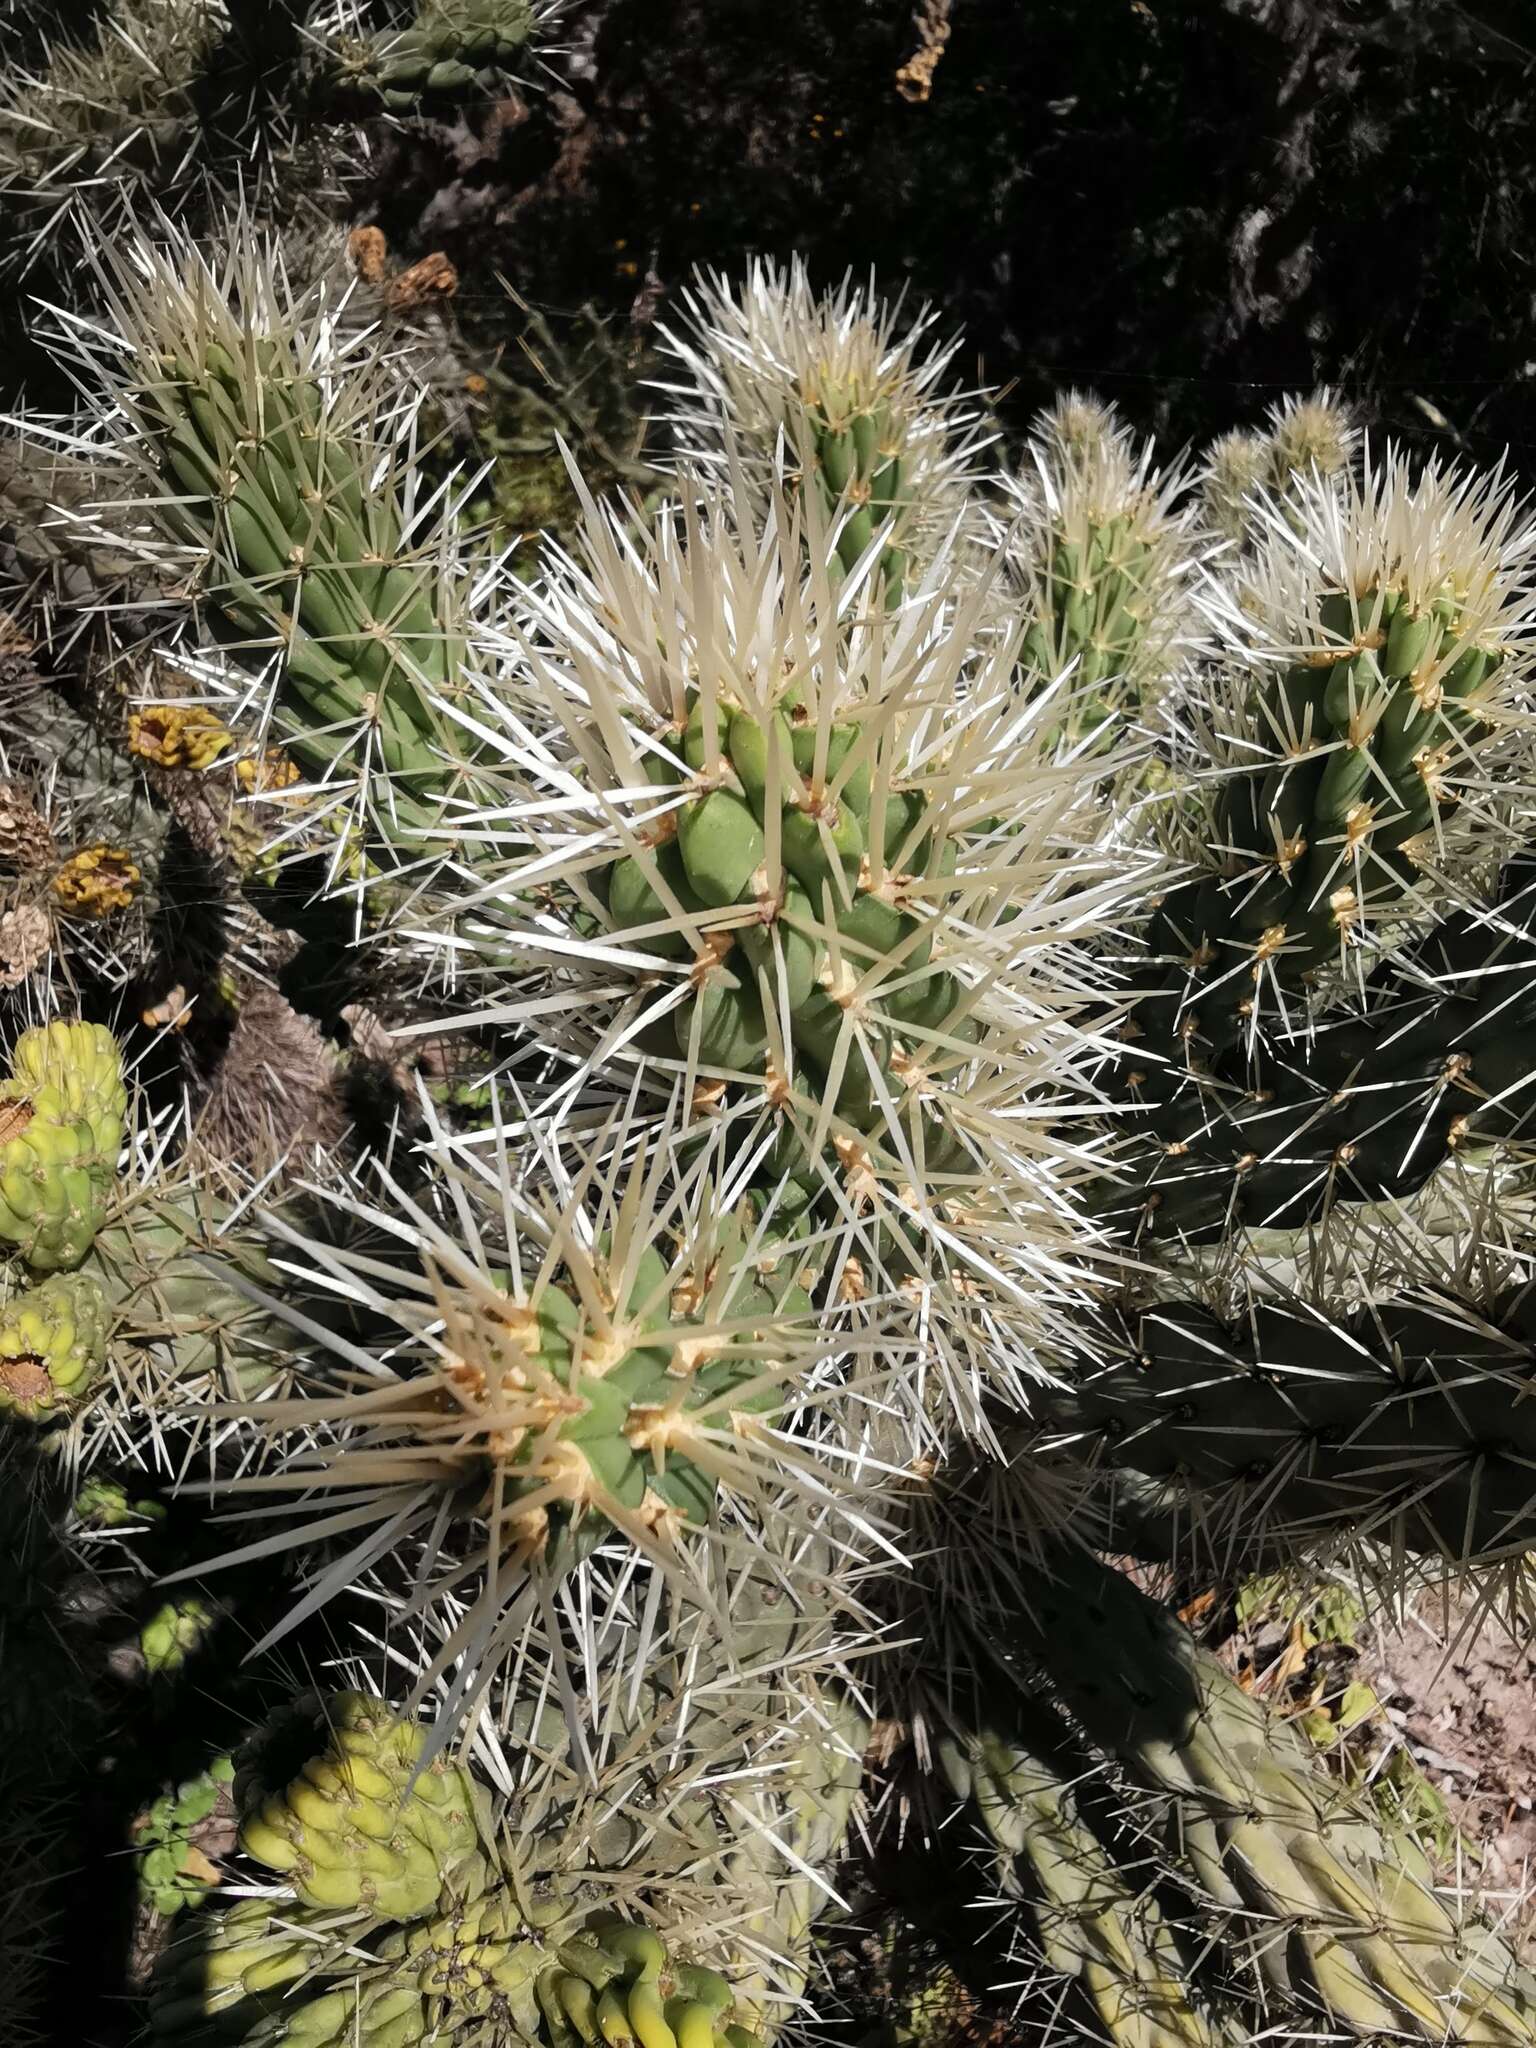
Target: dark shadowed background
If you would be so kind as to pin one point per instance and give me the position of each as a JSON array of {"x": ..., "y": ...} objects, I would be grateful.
[{"x": 1191, "y": 208}]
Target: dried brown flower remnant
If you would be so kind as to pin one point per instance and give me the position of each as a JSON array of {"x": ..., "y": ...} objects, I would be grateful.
[
  {"x": 14, "y": 1119},
  {"x": 24, "y": 1379},
  {"x": 914, "y": 81},
  {"x": 433, "y": 278},
  {"x": 25, "y": 840},
  {"x": 26, "y": 940},
  {"x": 369, "y": 253}
]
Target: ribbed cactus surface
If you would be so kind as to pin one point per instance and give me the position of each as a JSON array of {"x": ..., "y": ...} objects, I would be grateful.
[
  {"x": 839, "y": 399},
  {"x": 1271, "y": 1842},
  {"x": 1096, "y": 1924},
  {"x": 1360, "y": 1107},
  {"x": 619, "y": 1983},
  {"x": 792, "y": 823},
  {"x": 452, "y": 50},
  {"x": 278, "y": 487},
  {"x": 1376, "y": 689},
  {"x": 815, "y": 942},
  {"x": 494, "y": 1924},
  {"x": 1413, "y": 1422},
  {"x": 61, "y": 1127},
  {"x": 370, "y": 1823},
  {"x": 225, "y": 1969},
  {"x": 1102, "y": 554},
  {"x": 53, "y": 1344}
]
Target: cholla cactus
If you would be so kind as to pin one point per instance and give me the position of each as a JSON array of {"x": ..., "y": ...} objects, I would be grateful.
[
  {"x": 173, "y": 1633},
  {"x": 451, "y": 51},
  {"x": 286, "y": 491},
  {"x": 1101, "y": 547},
  {"x": 784, "y": 877},
  {"x": 1093, "y": 1924},
  {"x": 1265, "y": 1835},
  {"x": 139, "y": 1298},
  {"x": 450, "y": 1894},
  {"x": 829, "y": 886},
  {"x": 1374, "y": 749},
  {"x": 172, "y": 101},
  {"x": 587, "y": 1353},
  {"x": 840, "y": 395},
  {"x": 1373, "y": 737},
  {"x": 1364, "y": 1107},
  {"x": 1307, "y": 439},
  {"x": 1249, "y": 1883},
  {"x": 1317, "y": 435},
  {"x": 103, "y": 113},
  {"x": 175, "y": 1873},
  {"x": 1405, "y": 1426}
]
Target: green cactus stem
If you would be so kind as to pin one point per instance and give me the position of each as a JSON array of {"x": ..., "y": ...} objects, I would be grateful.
[
  {"x": 453, "y": 51},
  {"x": 306, "y": 549},
  {"x": 1362, "y": 1109},
  {"x": 1269, "y": 1837},
  {"x": 173, "y": 1872},
  {"x": 1413, "y": 1423},
  {"x": 1097, "y": 1924},
  {"x": 373, "y": 1823},
  {"x": 1103, "y": 552}
]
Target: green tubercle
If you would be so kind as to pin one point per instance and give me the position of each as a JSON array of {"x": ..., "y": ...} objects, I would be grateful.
[
  {"x": 780, "y": 832},
  {"x": 173, "y": 1871}
]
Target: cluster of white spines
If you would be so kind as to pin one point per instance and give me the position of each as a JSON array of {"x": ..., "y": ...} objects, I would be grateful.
[
  {"x": 1305, "y": 439},
  {"x": 1388, "y": 532},
  {"x": 1092, "y": 516},
  {"x": 1424, "y": 529},
  {"x": 765, "y": 360},
  {"x": 756, "y": 349},
  {"x": 719, "y": 602},
  {"x": 443, "y": 1442}
]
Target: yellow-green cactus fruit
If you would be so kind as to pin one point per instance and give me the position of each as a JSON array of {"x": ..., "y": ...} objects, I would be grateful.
[
  {"x": 53, "y": 1344},
  {"x": 62, "y": 1115},
  {"x": 443, "y": 1980},
  {"x": 468, "y": 1963},
  {"x": 238, "y": 1958},
  {"x": 173, "y": 1632},
  {"x": 618, "y": 1984},
  {"x": 369, "y": 1824},
  {"x": 68, "y": 1072},
  {"x": 356, "y": 2015}
]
